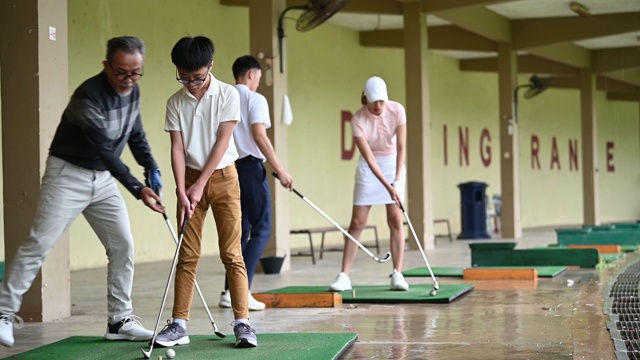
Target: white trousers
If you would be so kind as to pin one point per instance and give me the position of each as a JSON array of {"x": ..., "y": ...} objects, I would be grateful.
[{"x": 66, "y": 192}]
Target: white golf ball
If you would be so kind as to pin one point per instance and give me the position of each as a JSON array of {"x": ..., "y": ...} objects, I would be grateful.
[{"x": 171, "y": 353}]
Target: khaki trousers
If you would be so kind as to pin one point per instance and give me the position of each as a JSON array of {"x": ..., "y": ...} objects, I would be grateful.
[{"x": 222, "y": 194}]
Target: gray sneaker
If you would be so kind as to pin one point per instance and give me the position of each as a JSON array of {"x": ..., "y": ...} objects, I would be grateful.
[
  {"x": 245, "y": 335},
  {"x": 173, "y": 334}
]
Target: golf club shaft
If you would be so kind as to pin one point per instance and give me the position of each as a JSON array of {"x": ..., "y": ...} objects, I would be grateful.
[
  {"x": 415, "y": 236},
  {"x": 166, "y": 289},
  {"x": 206, "y": 307},
  {"x": 345, "y": 232}
]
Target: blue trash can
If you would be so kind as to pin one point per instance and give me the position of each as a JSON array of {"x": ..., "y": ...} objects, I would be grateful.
[{"x": 473, "y": 210}]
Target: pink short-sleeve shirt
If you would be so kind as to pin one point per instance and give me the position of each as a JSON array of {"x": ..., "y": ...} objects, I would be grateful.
[{"x": 379, "y": 130}]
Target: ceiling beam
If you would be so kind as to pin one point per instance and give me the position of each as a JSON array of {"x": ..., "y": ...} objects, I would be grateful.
[
  {"x": 440, "y": 38},
  {"x": 629, "y": 76},
  {"x": 565, "y": 83},
  {"x": 430, "y": 6},
  {"x": 528, "y": 33},
  {"x": 480, "y": 21},
  {"x": 615, "y": 86},
  {"x": 454, "y": 38},
  {"x": 623, "y": 97},
  {"x": 568, "y": 54},
  {"x": 384, "y": 7},
  {"x": 527, "y": 64},
  {"x": 235, "y": 2},
  {"x": 604, "y": 60},
  {"x": 383, "y": 38}
]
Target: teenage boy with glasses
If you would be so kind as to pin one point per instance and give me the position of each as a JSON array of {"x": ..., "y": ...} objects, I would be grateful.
[
  {"x": 200, "y": 120},
  {"x": 103, "y": 116}
]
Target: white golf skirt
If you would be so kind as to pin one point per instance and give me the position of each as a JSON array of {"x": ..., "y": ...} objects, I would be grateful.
[{"x": 369, "y": 190}]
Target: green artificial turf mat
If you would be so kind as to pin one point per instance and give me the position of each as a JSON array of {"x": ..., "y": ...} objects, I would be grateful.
[
  {"x": 310, "y": 346},
  {"x": 629, "y": 248},
  {"x": 382, "y": 294},
  {"x": 543, "y": 271},
  {"x": 1, "y": 271},
  {"x": 437, "y": 271}
]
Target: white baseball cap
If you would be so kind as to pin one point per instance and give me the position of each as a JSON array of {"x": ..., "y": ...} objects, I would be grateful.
[{"x": 375, "y": 89}]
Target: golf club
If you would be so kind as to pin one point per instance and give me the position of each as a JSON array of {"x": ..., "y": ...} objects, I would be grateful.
[
  {"x": 147, "y": 354},
  {"x": 435, "y": 282},
  {"x": 386, "y": 257},
  {"x": 175, "y": 239},
  {"x": 213, "y": 323}
]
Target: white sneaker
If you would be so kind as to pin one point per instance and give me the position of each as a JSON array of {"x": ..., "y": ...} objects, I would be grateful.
[
  {"x": 6, "y": 328},
  {"x": 398, "y": 282},
  {"x": 342, "y": 283},
  {"x": 128, "y": 328},
  {"x": 254, "y": 305},
  {"x": 225, "y": 299}
]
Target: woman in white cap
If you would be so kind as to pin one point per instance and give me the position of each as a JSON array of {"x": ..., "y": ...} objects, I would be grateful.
[{"x": 379, "y": 131}]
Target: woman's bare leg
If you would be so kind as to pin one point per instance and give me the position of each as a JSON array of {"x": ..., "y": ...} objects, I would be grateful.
[
  {"x": 397, "y": 238},
  {"x": 359, "y": 217}
]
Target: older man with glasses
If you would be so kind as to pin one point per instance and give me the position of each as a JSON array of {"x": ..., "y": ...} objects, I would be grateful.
[{"x": 102, "y": 117}]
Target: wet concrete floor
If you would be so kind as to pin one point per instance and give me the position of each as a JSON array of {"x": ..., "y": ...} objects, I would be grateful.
[{"x": 544, "y": 319}]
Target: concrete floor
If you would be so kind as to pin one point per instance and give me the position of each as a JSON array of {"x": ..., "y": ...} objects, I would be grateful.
[{"x": 497, "y": 320}]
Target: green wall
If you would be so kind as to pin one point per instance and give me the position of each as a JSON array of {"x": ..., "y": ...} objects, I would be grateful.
[{"x": 326, "y": 69}]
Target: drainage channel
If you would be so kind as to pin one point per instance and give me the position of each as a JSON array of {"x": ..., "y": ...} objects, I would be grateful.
[{"x": 622, "y": 304}]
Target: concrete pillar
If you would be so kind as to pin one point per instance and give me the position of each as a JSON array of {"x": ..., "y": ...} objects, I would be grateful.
[
  {"x": 263, "y": 42},
  {"x": 419, "y": 184},
  {"x": 509, "y": 147},
  {"x": 33, "y": 56},
  {"x": 590, "y": 191}
]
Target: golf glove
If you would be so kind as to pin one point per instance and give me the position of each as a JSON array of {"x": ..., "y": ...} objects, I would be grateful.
[{"x": 152, "y": 180}]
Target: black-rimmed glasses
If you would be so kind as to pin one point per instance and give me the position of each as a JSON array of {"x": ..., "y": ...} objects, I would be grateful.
[
  {"x": 122, "y": 76},
  {"x": 194, "y": 81}
]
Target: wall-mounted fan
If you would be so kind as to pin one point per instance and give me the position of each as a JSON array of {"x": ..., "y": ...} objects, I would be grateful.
[
  {"x": 313, "y": 14},
  {"x": 535, "y": 86}
]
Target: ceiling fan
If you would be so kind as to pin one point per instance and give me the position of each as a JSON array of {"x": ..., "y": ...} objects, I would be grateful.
[{"x": 313, "y": 14}]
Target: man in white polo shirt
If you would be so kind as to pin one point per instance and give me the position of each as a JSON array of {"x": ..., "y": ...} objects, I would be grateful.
[
  {"x": 200, "y": 119},
  {"x": 254, "y": 148}
]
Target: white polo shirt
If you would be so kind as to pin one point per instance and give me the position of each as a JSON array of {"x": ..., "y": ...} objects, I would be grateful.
[
  {"x": 254, "y": 109},
  {"x": 198, "y": 121}
]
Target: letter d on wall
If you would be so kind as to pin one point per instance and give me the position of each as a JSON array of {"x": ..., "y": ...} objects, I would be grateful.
[{"x": 346, "y": 154}]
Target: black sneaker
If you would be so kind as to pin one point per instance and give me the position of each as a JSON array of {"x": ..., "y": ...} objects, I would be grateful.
[{"x": 245, "y": 335}]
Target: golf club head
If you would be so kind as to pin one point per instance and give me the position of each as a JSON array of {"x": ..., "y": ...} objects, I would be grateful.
[
  {"x": 386, "y": 258},
  {"x": 220, "y": 334},
  {"x": 147, "y": 354}
]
